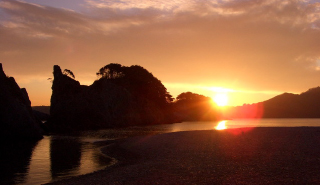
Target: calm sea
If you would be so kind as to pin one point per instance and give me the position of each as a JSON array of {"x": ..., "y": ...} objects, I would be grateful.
[{"x": 58, "y": 157}]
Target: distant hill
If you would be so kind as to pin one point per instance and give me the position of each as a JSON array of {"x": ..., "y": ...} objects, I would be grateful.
[
  {"x": 286, "y": 105},
  {"x": 41, "y": 112},
  {"x": 43, "y": 109}
]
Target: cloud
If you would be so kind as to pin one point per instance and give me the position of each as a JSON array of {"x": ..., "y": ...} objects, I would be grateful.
[
  {"x": 246, "y": 44},
  {"x": 134, "y": 4},
  {"x": 35, "y": 18}
]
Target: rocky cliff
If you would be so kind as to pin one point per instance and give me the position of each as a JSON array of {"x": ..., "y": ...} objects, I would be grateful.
[
  {"x": 16, "y": 116},
  {"x": 101, "y": 105}
]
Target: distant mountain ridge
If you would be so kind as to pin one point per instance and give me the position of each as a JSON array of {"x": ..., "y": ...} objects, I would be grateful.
[
  {"x": 305, "y": 105},
  {"x": 286, "y": 105},
  {"x": 42, "y": 109},
  {"x": 42, "y": 112}
]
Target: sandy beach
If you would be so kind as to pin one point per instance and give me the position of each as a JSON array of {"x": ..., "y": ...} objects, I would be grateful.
[{"x": 288, "y": 155}]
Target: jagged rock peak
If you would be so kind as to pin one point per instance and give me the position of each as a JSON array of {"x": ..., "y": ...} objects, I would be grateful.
[
  {"x": 16, "y": 116},
  {"x": 2, "y": 74},
  {"x": 57, "y": 71}
]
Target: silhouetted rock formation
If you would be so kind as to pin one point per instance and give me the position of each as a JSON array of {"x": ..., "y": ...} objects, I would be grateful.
[
  {"x": 16, "y": 116},
  {"x": 195, "y": 107},
  {"x": 286, "y": 105},
  {"x": 105, "y": 103}
]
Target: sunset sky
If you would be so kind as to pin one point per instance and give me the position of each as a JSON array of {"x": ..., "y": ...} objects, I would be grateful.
[{"x": 250, "y": 49}]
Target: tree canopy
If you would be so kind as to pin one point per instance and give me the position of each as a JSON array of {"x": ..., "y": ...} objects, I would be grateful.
[
  {"x": 69, "y": 73},
  {"x": 192, "y": 107},
  {"x": 189, "y": 96},
  {"x": 111, "y": 71},
  {"x": 137, "y": 80}
]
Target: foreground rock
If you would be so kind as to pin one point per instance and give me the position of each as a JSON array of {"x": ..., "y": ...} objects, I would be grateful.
[
  {"x": 16, "y": 116},
  {"x": 106, "y": 103},
  {"x": 235, "y": 156}
]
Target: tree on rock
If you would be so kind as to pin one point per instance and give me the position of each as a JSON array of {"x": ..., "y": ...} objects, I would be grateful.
[
  {"x": 69, "y": 73},
  {"x": 138, "y": 81},
  {"x": 111, "y": 71}
]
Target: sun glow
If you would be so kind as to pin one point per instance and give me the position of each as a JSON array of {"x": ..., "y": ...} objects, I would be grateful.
[
  {"x": 221, "y": 99},
  {"x": 221, "y": 125}
]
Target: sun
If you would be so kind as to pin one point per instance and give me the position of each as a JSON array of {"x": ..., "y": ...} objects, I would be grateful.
[{"x": 221, "y": 99}]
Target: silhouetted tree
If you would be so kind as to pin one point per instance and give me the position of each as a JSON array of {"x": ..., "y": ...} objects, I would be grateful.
[
  {"x": 138, "y": 81},
  {"x": 111, "y": 71},
  {"x": 69, "y": 73},
  {"x": 169, "y": 98},
  {"x": 193, "y": 107},
  {"x": 189, "y": 96}
]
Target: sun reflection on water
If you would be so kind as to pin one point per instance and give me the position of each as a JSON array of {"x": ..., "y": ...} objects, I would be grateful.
[{"x": 221, "y": 125}]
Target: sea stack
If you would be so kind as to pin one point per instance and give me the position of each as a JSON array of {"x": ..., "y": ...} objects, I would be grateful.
[
  {"x": 80, "y": 107},
  {"x": 16, "y": 116},
  {"x": 104, "y": 104}
]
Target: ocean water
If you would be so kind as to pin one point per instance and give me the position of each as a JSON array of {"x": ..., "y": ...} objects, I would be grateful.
[{"x": 58, "y": 157}]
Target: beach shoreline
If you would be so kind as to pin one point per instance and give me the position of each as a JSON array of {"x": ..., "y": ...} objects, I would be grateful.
[{"x": 265, "y": 155}]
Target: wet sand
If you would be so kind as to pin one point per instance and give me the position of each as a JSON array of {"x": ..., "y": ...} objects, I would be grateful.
[{"x": 236, "y": 156}]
